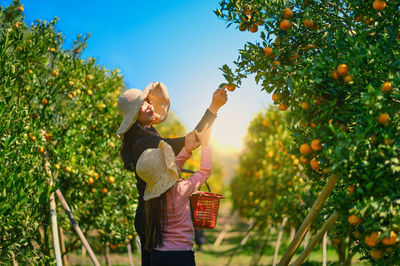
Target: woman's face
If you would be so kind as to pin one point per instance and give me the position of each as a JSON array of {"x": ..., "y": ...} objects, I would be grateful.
[{"x": 146, "y": 113}]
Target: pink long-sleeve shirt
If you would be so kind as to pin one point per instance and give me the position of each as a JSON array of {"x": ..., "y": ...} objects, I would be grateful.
[{"x": 178, "y": 234}]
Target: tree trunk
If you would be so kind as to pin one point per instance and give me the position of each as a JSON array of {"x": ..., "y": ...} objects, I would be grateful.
[
  {"x": 107, "y": 254},
  {"x": 62, "y": 243}
]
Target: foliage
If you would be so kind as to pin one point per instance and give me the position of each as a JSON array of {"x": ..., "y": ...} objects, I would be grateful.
[{"x": 334, "y": 65}]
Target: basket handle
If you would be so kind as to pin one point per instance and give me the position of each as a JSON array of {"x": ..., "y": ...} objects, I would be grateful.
[{"x": 191, "y": 172}]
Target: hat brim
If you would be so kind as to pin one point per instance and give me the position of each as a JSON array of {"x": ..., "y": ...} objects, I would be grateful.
[
  {"x": 167, "y": 181},
  {"x": 132, "y": 115}
]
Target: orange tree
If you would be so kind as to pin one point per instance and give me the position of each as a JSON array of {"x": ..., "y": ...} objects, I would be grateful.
[
  {"x": 268, "y": 185},
  {"x": 58, "y": 111},
  {"x": 334, "y": 65}
]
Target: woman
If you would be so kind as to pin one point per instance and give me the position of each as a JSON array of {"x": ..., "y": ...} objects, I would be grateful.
[
  {"x": 169, "y": 227},
  {"x": 140, "y": 111}
]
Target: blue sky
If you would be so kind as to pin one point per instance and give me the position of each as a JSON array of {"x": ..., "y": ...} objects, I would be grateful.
[{"x": 181, "y": 43}]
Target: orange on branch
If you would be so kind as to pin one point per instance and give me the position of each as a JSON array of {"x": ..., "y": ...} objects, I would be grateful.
[
  {"x": 386, "y": 87},
  {"x": 308, "y": 23},
  {"x": 287, "y": 13},
  {"x": 389, "y": 241},
  {"x": 303, "y": 159},
  {"x": 383, "y": 118},
  {"x": 285, "y": 24},
  {"x": 283, "y": 106},
  {"x": 379, "y": 5},
  {"x": 372, "y": 239},
  {"x": 316, "y": 145},
  {"x": 376, "y": 253},
  {"x": 315, "y": 165},
  {"x": 276, "y": 97},
  {"x": 348, "y": 79},
  {"x": 342, "y": 70},
  {"x": 230, "y": 87},
  {"x": 293, "y": 57},
  {"x": 335, "y": 75},
  {"x": 305, "y": 105},
  {"x": 354, "y": 219},
  {"x": 253, "y": 28},
  {"x": 305, "y": 149},
  {"x": 267, "y": 51}
]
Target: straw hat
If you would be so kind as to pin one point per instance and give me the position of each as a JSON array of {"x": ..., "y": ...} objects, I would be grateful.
[
  {"x": 130, "y": 101},
  {"x": 157, "y": 167}
]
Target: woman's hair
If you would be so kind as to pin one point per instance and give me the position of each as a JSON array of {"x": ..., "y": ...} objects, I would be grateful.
[
  {"x": 135, "y": 132},
  {"x": 156, "y": 219}
]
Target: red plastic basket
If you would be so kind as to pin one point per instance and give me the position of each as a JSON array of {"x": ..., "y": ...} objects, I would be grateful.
[{"x": 205, "y": 209}]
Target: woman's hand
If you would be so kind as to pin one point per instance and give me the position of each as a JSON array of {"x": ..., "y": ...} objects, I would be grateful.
[
  {"x": 191, "y": 142},
  {"x": 204, "y": 136},
  {"x": 219, "y": 99}
]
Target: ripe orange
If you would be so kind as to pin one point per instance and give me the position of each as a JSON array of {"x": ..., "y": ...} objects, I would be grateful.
[
  {"x": 20, "y": 8},
  {"x": 315, "y": 165},
  {"x": 90, "y": 92},
  {"x": 267, "y": 51},
  {"x": 305, "y": 149},
  {"x": 348, "y": 79},
  {"x": 342, "y": 70},
  {"x": 335, "y": 75},
  {"x": 247, "y": 10},
  {"x": 76, "y": 50},
  {"x": 383, "y": 118},
  {"x": 276, "y": 63},
  {"x": 308, "y": 23},
  {"x": 111, "y": 180},
  {"x": 294, "y": 56},
  {"x": 283, "y": 107},
  {"x": 379, "y": 5},
  {"x": 391, "y": 240},
  {"x": 305, "y": 105},
  {"x": 68, "y": 169},
  {"x": 90, "y": 181},
  {"x": 47, "y": 136},
  {"x": 54, "y": 73},
  {"x": 104, "y": 190},
  {"x": 30, "y": 71},
  {"x": 354, "y": 219},
  {"x": 52, "y": 50},
  {"x": 312, "y": 124},
  {"x": 40, "y": 149},
  {"x": 89, "y": 76},
  {"x": 376, "y": 253},
  {"x": 276, "y": 97},
  {"x": 111, "y": 144},
  {"x": 230, "y": 87},
  {"x": 285, "y": 24},
  {"x": 253, "y": 28},
  {"x": 386, "y": 87},
  {"x": 303, "y": 159},
  {"x": 351, "y": 189},
  {"x": 287, "y": 13},
  {"x": 17, "y": 25},
  {"x": 316, "y": 145},
  {"x": 372, "y": 239},
  {"x": 270, "y": 154}
]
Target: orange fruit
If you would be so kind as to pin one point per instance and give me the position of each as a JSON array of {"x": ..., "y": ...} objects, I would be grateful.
[
  {"x": 316, "y": 145},
  {"x": 40, "y": 149},
  {"x": 267, "y": 51},
  {"x": 253, "y": 28},
  {"x": 379, "y": 5},
  {"x": 44, "y": 101},
  {"x": 376, "y": 253},
  {"x": 54, "y": 73},
  {"x": 285, "y": 24},
  {"x": 247, "y": 10},
  {"x": 283, "y": 107},
  {"x": 305, "y": 105},
  {"x": 230, "y": 87},
  {"x": 305, "y": 149},
  {"x": 104, "y": 190},
  {"x": 312, "y": 124},
  {"x": 242, "y": 27},
  {"x": 111, "y": 144},
  {"x": 276, "y": 63},
  {"x": 20, "y": 8},
  {"x": 386, "y": 87},
  {"x": 351, "y": 189},
  {"x": 270, "y": 154},
  {"x": 308, "y": 23},
  {"x": 315, "y": 165},
  {"x": 76, "y": 50},
  {"x": 89, "y": 76},
  {"x": 294, "y": 56},
  {"x": 391, "y": 240},
  {"x": 348, "y": 79},
  {"x": 111, "y": 180},
  {"x": 354, "y": 219},
  {"x": 383, "y": 118},
  {"x": 90, "y": 181},
  {"x": 68, "y": 169},
  {"x": 342, "y": 70},
  {"x": 47, "y": 136},
  {"x": 335, "y": 75},
  {"x": 52, "y": 50},
  {"x": 287, "y": 13},
  {"x": 372, "y": 239},
  {"x": 90, "y": 92},
  {"x": 356, "y": 234},
  {"x": 303, "y": 159}
]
